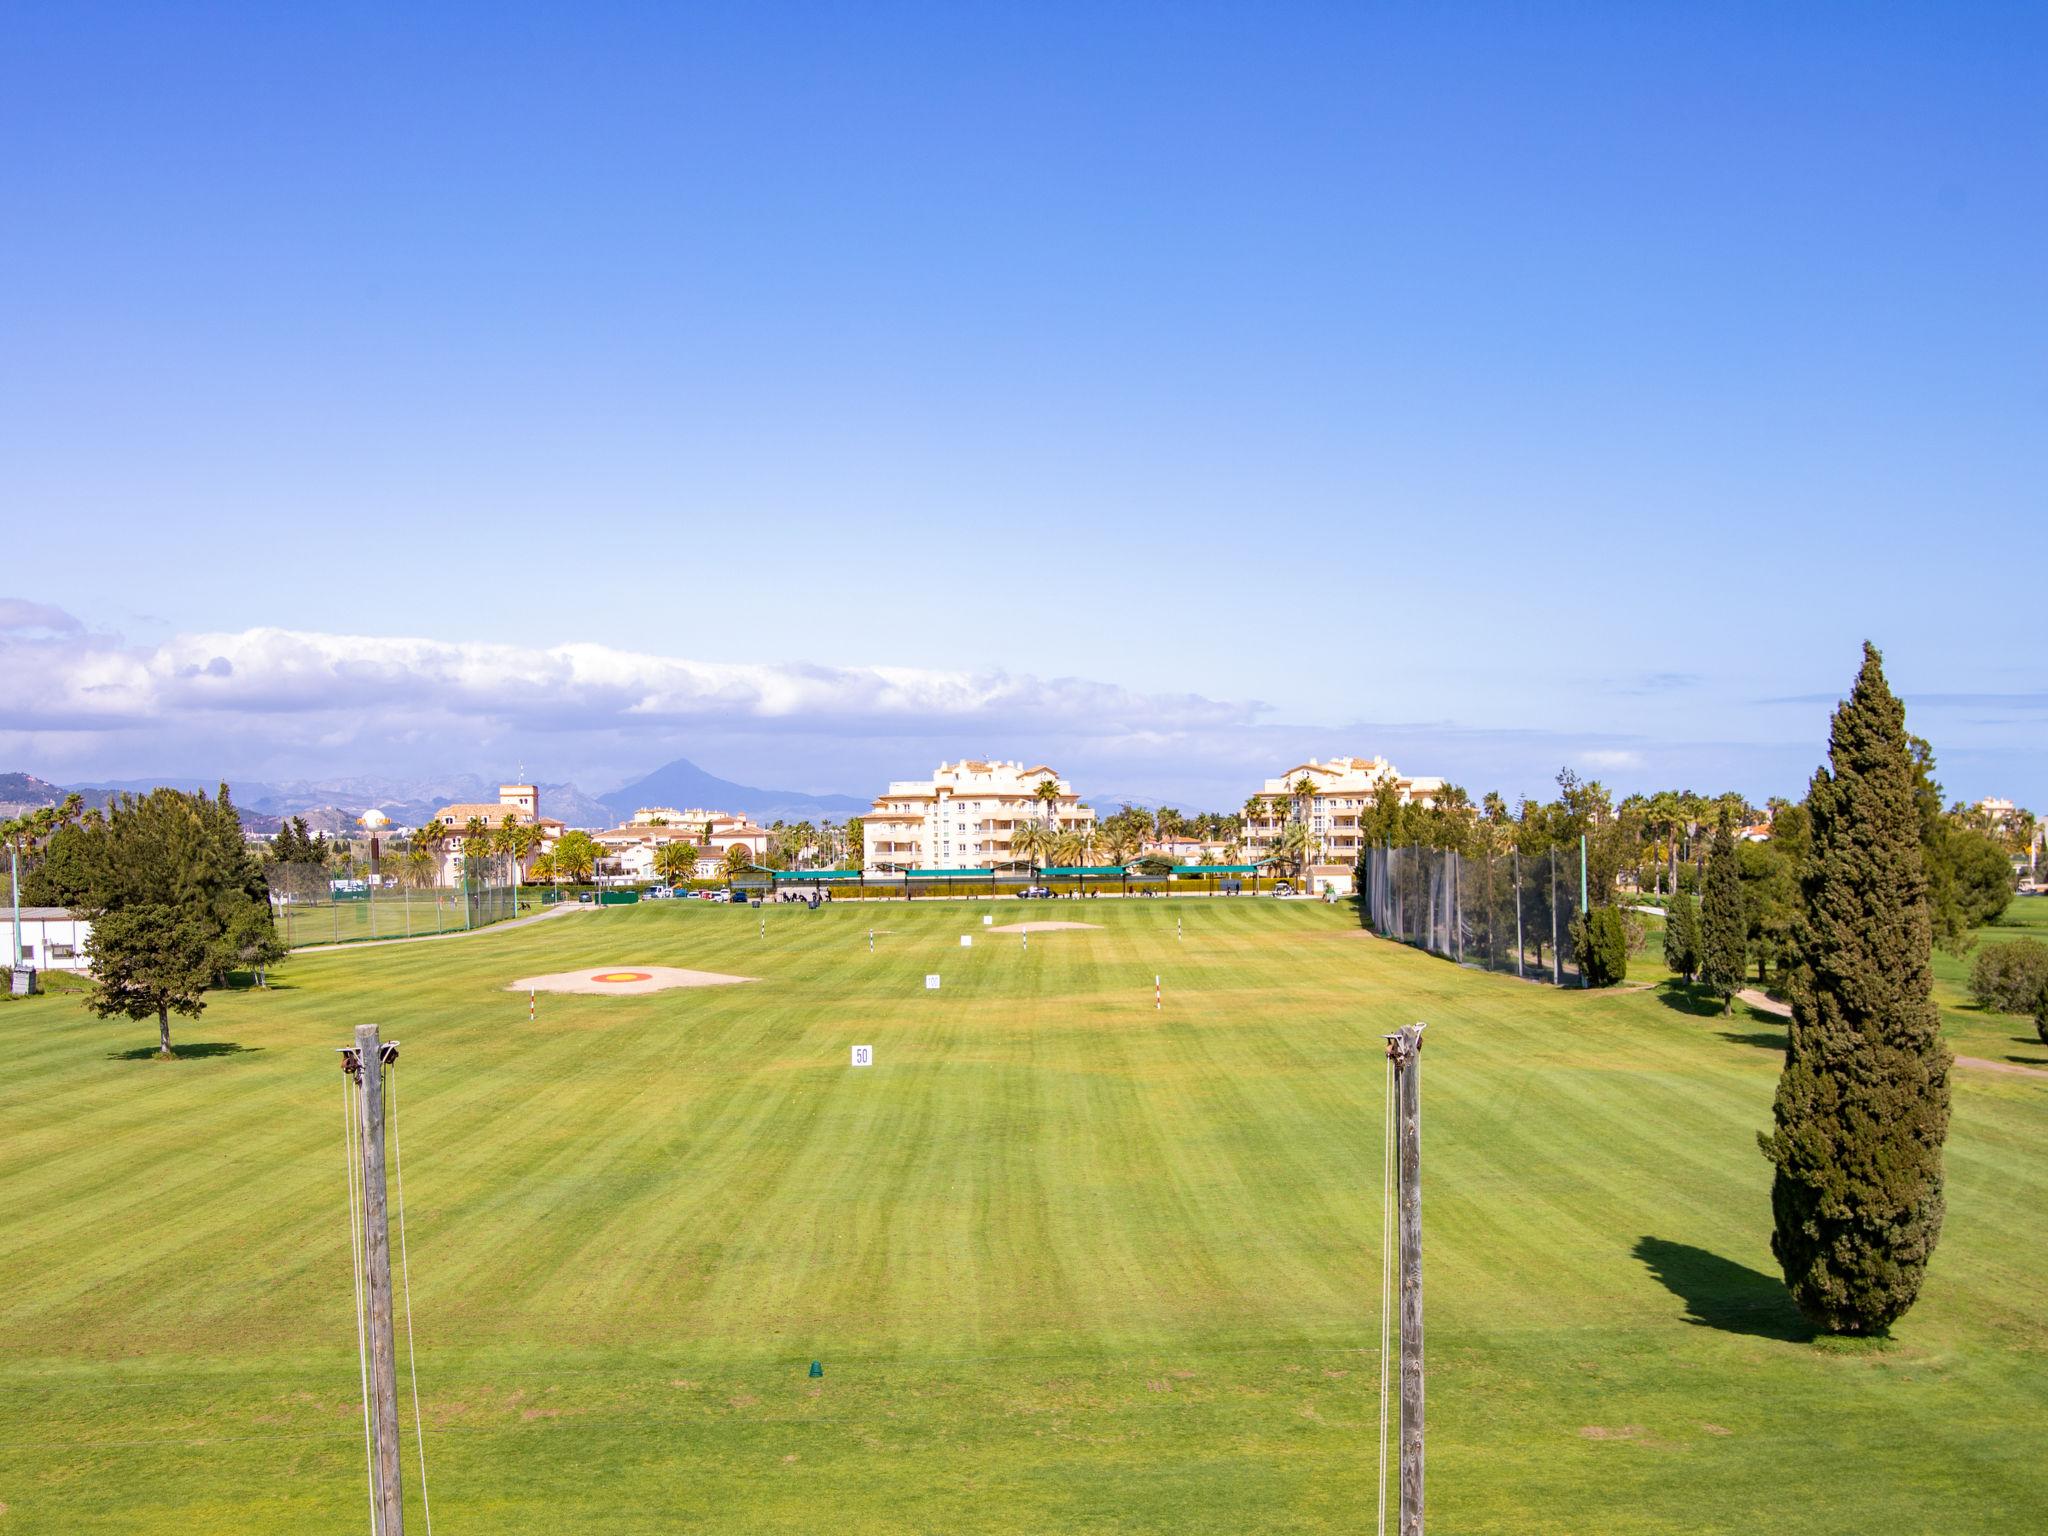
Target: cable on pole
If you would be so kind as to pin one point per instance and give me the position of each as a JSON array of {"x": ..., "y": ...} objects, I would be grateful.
[
  {"x": 1386, "y": 1284},
  {"x": 355, "y": 1251},
  {"x": 419, "y": 1433}
]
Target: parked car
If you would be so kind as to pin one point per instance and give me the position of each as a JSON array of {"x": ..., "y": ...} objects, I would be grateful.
[
  {"x": 1282, "y": 888},
  {"x": 1040, "y": 891}
]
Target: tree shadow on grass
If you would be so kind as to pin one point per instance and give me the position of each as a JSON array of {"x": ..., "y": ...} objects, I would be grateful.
[
  {"x": 197, "y": 1050},
  {"x": 1719, "y": 1293},
  {"x": 1693, "y": 1001},
  {"x": 1762, "y": 1039}
]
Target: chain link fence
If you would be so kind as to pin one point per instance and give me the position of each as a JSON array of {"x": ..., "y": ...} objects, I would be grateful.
[
  {"x": 1497, "y": 912},
  {"x": 313, "y": 905}
]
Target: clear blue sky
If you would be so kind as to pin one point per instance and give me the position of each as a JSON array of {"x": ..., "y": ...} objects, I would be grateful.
[{"x": 1490, "y": 386}]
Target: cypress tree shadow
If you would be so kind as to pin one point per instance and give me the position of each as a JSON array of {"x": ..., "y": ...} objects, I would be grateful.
[
  {"x": 1719, "y": 1293},
  {"x": 1762, "y": 1039},
  {"x": 197, "y": 1050},
  {"x": 1696, "y": 1002}
]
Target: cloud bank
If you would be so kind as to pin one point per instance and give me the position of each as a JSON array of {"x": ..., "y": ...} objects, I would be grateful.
[{"x": 289, "y": 693}]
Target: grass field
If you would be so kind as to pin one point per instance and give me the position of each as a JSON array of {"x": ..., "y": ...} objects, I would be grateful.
[{"x": 1071, "y": 1264}]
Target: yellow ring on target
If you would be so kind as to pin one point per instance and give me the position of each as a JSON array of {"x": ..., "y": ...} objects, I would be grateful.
[{"x": 623, "y": 976}]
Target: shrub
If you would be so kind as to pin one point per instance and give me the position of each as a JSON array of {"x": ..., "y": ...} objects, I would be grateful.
[
  {"x": 2011, "y": 978},
  {"x": 1601, "y": 939}
]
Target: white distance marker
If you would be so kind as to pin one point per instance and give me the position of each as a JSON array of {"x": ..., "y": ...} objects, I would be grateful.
[
  {"x": 967, "y": 941},
  {"x": 863, "y": 1055},
  {"x": 987, "y": 919},
  {"x": 931, "y": 983}
]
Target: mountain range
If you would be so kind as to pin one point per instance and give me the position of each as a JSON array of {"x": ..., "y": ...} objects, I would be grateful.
[{"x": 332, "y": 805}]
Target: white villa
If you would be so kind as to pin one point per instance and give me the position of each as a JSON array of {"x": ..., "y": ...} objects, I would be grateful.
[
  {"x": 964, "y": 816},
  {"x": 520, "y": 800},
  {"x": 1343, "y": 788},
  {"x": 628, "y": 849}
]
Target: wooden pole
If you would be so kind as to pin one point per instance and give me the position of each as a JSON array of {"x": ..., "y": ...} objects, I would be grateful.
[
  {"x": 1406, "y": 1049},
  {"x": 390, "y": 1501}
]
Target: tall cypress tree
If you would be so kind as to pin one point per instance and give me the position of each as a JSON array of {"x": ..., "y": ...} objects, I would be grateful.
[
  {"x": 1681, "y": 935},
  {"x": 1724, "y": 928},
  {"x": 1862, "y": 1107}
]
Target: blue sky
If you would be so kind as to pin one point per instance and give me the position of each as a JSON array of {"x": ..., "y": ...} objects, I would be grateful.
[{"x": 1168, "y": 391}]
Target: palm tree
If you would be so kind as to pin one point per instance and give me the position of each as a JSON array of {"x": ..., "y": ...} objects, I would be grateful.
[
  {"x": 1069, "y": 849},
  {"x": 1048, "y": 797},
  {"x": 1294, "y": 848},
  {"x": 675, "y": 861},
  {"x": 1115, "y": 843},
  {"x": 1304, "y": 796},
  {"x": 515, "y": 840},
  {"x": 423, "y": 851},
  {"x": 1031, "y": 842}
]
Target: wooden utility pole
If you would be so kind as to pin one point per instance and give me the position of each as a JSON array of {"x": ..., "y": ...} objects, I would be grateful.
[
  {"x": 1405, "y": 1049},
  {"x": 371, "y": 1056}
]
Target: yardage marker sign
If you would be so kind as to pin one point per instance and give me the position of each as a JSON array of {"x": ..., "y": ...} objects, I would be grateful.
[
  {"x": 931, "y": 983},
  {"x": 863, "y": 1055}
]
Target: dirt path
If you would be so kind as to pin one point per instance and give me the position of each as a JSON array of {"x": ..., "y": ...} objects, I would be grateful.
[
  {"x": 1772, "y": 1006},
  {"x": 461, "y": 933}
]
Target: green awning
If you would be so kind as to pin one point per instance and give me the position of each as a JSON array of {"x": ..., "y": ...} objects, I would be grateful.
[
  {"x": 1070, "y": 871},
  {"x": 949, "y": 874},
  {"x": 1215, "y": 869},
  {"x": 816, "y": 874}
]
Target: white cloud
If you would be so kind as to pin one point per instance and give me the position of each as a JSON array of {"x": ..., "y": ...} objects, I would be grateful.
[
  {"x": 291, "y": 684},
  {"x": 1604, "y": 757}
]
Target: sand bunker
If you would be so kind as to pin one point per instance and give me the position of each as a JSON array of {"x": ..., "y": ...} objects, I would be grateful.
[
  {"x": 612, "y": 980},
  {"x": 1039, "y": 927}
]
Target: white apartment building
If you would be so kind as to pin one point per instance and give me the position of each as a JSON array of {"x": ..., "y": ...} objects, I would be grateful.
[
  {"x": 1344, "y": 787},
  {"x": 964, "y": 816}
]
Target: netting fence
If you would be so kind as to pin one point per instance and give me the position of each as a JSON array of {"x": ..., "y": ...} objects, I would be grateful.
[
  {"x": 1498, "y": 912},
  {"x": 312, "y": 905}
]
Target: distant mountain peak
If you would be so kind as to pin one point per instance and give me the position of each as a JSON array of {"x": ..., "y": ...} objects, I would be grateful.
[{"x": 683, "y": 785}]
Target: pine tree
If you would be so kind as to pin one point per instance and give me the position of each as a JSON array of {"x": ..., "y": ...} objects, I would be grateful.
[
  {"x": 1862, "y": 1105},
  {"x": 1724, "y": 927},
  {"x": 1682, "y": 935}
]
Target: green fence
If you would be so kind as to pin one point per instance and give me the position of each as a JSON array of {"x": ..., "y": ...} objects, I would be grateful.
[{"x": 309, "y": 910}]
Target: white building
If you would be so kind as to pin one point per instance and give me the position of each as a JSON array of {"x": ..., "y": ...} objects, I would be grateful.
[
  {"x": 1341, "y": 790},
  {"x": 965, "y": 815},
  {"x": 628, "y": 850},
  {"x": 52, "y": 938}
]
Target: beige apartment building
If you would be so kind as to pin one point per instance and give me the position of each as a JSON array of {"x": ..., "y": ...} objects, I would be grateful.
[
  {"x": 964, "y": 816},
  {"x": 1344, "y": 787},
  {"x": 520, "y": 800}
]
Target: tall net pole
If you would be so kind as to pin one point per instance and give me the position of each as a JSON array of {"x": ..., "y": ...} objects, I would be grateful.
[{"x": 1405, "y": 1051}]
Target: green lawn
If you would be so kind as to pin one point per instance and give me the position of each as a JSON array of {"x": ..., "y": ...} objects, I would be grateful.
[
  {"x": 1973, "y": 1030},
  {"x": 1071, "y": 1264}
]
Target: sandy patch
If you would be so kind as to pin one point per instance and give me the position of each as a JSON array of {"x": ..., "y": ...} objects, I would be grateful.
[
  {"x": 1038, "y": 927},
  {"x": 630, "y": 980}
]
